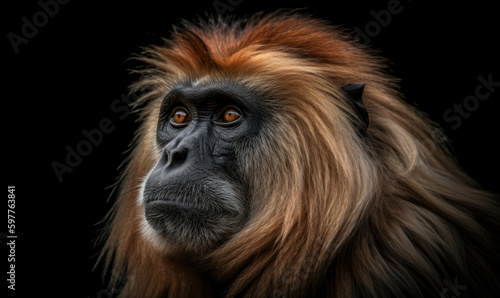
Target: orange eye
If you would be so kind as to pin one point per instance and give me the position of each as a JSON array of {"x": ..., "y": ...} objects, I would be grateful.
[
  {"x": 231, "y": 115},
  {"x": 179, "y": 117}
]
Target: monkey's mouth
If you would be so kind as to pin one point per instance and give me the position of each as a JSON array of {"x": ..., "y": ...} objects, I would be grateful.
[
  {"x": 168, "y": 201},
  {"x": 191, "y": 196},
  {"x": 192, "y": 215},
  {"x": 190, "y": 225},
  {"x": 165, "y": 203},
  {"x": 161, "y": 210},
  {"x": 161, "y": 207}
]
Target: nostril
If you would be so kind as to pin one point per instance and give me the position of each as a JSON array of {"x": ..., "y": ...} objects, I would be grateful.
[{"x": 177, "y": 157}]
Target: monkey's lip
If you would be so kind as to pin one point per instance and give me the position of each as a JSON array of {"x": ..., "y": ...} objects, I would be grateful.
[
  {"x": 167, "y": 203},
  {"x": 161, "y": 206}
]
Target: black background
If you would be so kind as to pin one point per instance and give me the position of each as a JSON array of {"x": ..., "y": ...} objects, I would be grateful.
[{"x": 65, "y": 78}]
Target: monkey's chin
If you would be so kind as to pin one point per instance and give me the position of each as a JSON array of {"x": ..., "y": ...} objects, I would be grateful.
[{"x": 180, "y": 229}]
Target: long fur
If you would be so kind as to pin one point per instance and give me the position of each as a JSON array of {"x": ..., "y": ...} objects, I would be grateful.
[{"x": 332, "y": 213}]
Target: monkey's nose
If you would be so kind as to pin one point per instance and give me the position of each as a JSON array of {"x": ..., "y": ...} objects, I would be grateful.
[{"x": 176, "y": 157}]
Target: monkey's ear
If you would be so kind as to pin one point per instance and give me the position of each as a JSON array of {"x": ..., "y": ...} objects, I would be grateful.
[{"x": 354, "y": 93}]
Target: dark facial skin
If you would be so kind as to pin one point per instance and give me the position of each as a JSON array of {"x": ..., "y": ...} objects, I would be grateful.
[{"x": 194, "y": 197}]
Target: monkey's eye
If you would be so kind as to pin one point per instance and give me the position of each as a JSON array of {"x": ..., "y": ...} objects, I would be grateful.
[
  {"x": 229, "y": 116},
  {"x": 179, "y": 117}
]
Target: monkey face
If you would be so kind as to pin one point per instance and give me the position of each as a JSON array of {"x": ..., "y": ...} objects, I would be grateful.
[{"x": 193, "y": 197}]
